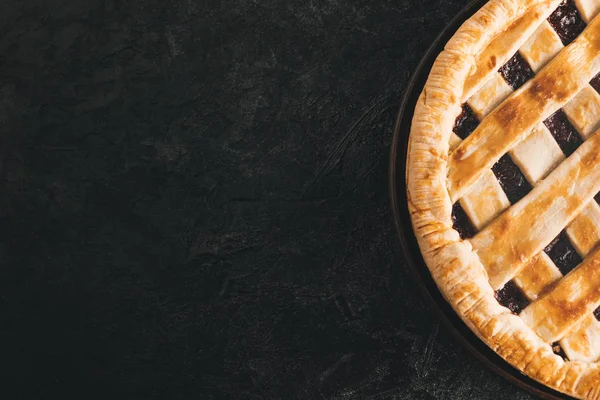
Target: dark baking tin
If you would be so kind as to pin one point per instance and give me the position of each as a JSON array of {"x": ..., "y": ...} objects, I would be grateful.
[{"x": 408, "y": 242}]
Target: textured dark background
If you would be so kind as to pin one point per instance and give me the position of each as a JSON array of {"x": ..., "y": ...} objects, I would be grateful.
[{"x": 193, "y": 203}]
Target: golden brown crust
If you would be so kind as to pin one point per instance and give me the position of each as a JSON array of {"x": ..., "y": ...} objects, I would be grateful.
[
  {"x": 502, "y": 47},
  {"x": 569, "y": 302},
  {"x": 511, "y": 122},
  {"x": 513, "y": 239},
  {"x": 453, "y": 264}
]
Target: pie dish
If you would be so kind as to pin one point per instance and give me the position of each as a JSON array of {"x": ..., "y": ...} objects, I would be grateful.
[{"x": 503, "y": 183}]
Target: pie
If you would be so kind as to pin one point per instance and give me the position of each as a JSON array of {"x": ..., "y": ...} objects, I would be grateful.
[{"x": 503, "y": 183}]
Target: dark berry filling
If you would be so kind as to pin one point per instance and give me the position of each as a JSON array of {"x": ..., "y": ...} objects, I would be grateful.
[
  {"x": 563, "y": 254},
  {"x": 596, "y": 83},
  {"x": 597, "y": 198},
  {"x": 567, "y": 22},
  {"x": 563, "y": 131},
  {"x": 465, "y": 123},
  {"x": 511, "y": 297},
  {"x": 461, "y": 222},
  {"x": 511, "y": 179},
  {"x": 597, "y": 313},
  {"x": 558, "y": 350},
  {"x": 516, "y": 71}
]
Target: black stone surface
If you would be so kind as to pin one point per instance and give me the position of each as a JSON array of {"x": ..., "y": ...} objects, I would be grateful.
[{"x": 193, "y": 203}]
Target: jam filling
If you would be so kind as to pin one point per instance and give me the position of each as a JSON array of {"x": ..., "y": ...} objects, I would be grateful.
[
  {"x": 559, "y": 351},
  {"x": 511, "y": 297},
  {"x": 465, "y": 123},
  {"x": 596, "y": 83},
  {"x": 461, "y": 222},
  {"x": 597, "y": 198},
  {"x": 516, "y": 71},
  {"x": 563, "y": 131},
  {"x": 567, "y": 22},
  {"x": 597, "y": 313},
  {"x": 563, "y": 254},
  {"x": 511, "y": 179}
]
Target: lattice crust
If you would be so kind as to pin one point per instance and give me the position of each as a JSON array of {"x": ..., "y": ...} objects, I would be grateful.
[
  {"x": 575, "y": 296},
  {"x": 583, "y": 344},
  {"x": 503, "y": 46},
  {"x": 518, "y": 124},
  {"x": 512, "y": 121},
  {"x": 507, "y": 244}
]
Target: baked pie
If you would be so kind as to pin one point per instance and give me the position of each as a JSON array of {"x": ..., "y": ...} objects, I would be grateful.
[{"x": 503, "y": 183}]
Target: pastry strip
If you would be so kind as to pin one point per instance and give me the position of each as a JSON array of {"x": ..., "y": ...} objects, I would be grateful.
[{"x": 588, "y": 9}]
